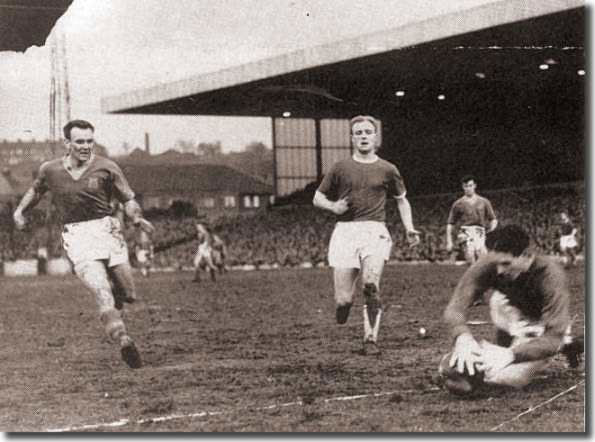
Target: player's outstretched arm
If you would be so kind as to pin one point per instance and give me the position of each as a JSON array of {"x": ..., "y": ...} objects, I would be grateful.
[
  {"x": 337, "y": 207},
  {"x": 407, "y": 220},
  {"x": 29, "y": 200},
  {"x": 134, "y": 212}
]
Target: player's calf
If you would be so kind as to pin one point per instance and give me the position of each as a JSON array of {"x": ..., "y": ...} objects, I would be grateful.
[
  {"x": 122, "y": 284},
  {"x": 372, "y": 302},
  {"x": 121, "y": 297},
  {"x": 372, "y": 313}
]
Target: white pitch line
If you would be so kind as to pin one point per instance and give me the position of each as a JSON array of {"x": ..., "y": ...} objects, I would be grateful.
[
  {"x": 122, "y": 422},
  {"x": 553, "y": 398}
]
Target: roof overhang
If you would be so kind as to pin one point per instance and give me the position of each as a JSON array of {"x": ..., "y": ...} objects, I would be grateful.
[
  {"x": 25, "y": 23},
  {"x": 338, "y": 79}
]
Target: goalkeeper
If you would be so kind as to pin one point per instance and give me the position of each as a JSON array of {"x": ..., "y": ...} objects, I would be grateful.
[{"x": 528, "y": 307}]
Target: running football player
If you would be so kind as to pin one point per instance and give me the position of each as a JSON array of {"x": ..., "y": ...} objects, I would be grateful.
[
  {"x": 568, "y": 242},
  {"x": 82, "y": 185},
  {"x": 218, "y": 252},
  {"x": 356, "y": 190},
  {"x": 472, "y": 215},
  {"x": 203, "y": 260}
]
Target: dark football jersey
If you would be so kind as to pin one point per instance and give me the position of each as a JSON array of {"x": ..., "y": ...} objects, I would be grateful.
[{"x": 87, "y": 197}]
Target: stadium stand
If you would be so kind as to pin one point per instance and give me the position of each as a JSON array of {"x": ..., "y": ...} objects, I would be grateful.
[{"x": 291, "y": 235}]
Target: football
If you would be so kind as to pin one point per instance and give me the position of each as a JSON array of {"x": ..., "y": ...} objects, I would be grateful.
[{"x": 458, "y": 383}]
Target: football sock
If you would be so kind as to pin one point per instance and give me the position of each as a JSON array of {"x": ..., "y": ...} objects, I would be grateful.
[
  {"x": 343, "y": 313},
  {"x": 372, "y": 302},
  {"x": 114, "y": 326}
]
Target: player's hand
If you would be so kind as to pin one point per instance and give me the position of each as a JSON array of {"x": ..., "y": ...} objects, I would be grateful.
[
  {"x": 144, "y": 225},
  {"x": 341, "y": 206},
  {"x": 493, "y": 358},
  {"x": 19, "y": 220},
  {"x": 413, "y": 237},
  {"x": 465, "y": 354}
]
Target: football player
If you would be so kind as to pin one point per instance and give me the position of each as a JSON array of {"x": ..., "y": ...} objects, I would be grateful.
[
  {"x": 528, "y": 308},
  {"x": 218, "y": 252},
  {"x": 82, "y": 185},
  {"x": 356, "y": 190},
  {"x": 568, "y": 242},
  {"x": 203, "y": 260},
  {"x": 472, "y": 214}
]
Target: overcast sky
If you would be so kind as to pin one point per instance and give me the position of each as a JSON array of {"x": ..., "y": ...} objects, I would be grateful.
[{"x": 116, "y": 46}]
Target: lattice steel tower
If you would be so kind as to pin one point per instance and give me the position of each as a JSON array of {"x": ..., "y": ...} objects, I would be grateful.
[{"x": 59, "y": 89}]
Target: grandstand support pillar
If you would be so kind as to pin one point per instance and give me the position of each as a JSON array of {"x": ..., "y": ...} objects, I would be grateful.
[
  {"x": 147, "y": 144},
  {"x": 318, "y": 149},
  {"x": 274, "y": 145}
]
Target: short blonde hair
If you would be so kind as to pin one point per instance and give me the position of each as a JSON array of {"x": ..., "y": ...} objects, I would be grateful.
[{"x": 360, "y": 118}]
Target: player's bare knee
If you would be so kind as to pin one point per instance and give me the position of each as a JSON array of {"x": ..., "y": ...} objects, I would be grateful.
[
  {"x": 370, "y": 289},
  {"x": 371, "y": 274}
]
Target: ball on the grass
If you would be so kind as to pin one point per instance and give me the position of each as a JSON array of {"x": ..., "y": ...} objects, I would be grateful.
[
  {"x": 458, "y": 383},
  {"x": 422, "y": 333}
]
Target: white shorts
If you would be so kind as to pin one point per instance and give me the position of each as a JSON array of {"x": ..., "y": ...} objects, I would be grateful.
[
  {"x": 203, "y": 252},
  {"x": 568, "y": 242},
  {"x": 353, "y": 241},
  {"x": 509, "y": 319},
  {"x": 473, "y": 238},
  {"x": 98, "y": 239}
]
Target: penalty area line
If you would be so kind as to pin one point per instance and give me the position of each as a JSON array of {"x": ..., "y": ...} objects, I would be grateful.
[
  {"x": 531, "y": 409},
  {"x": 123, "y": 422}
]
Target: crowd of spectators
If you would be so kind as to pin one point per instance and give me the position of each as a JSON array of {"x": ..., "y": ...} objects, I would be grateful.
[{"x": 292, "y": 235}]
